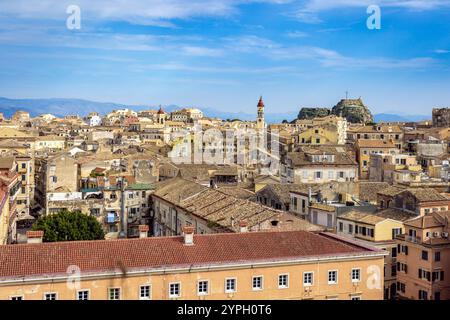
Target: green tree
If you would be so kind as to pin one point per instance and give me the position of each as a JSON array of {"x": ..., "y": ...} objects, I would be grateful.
[{"x": 69, "y": 226}]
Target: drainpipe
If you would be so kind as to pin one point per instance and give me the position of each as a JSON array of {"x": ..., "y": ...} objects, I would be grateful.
[{"x": 123, "y": 220}]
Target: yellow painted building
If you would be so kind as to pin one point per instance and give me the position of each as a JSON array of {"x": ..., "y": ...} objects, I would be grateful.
[
  {"x": 254, "y": 265},
  {"x": 367, "y": 147},
  {"x": 380, "y": 231},
  {"x": 319, "y": 135}
]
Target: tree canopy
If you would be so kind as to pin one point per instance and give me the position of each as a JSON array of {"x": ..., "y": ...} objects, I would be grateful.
[{"x": 69, "y": 226}]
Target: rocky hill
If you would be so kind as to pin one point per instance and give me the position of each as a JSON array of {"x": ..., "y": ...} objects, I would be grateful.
[
  {"x": 353, "y": 110},
  {"x": 311, "y": 113}
]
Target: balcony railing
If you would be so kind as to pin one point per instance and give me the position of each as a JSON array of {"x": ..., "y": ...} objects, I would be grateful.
[{"x": 409, "y": 238}]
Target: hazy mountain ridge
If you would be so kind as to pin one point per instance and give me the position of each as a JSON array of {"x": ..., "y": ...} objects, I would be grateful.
[{"x": 61, "y": 107}]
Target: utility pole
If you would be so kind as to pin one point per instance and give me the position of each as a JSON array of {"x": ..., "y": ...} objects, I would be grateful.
[{"x": 123, "y": 219}]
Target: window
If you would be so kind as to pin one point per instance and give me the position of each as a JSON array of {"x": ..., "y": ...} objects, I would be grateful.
[
  {"x": 395, "y": 232},
  {"x": 16, "y": 298},
  {"x": 202, "y": 288},
  {"x": 401, "y": 287},
  {"x": 438, "y": 276},
  {"x": 437, "y": 256},
  {"x": 393, "y": 270},
  {"x": 257, "y": 283},
  {"x": 230, "y": 285},
  {"x": 145, "y": 292},
  {"x": 83, "y": 295},
  {"x": 114, "y": 294},
  {"x": 424, "y": 255},
  {"x": 423, "y": 295},
  {"x": 50, "y": 296},
  {"x": 24, "y": 165},
  {"x": 394, "y": 252},
  {"x": 402, "y": 267},
  {"x": 308, "y": 278},
  {"x": 341, "y": 226},
  {"x": 283, "y": 281},
  {"x": 174, "y": 290},
  {"x": 350, "y": 229},
  {"x": 356, "y": 275},
  {"x": 318, "y": 174},
  {"x": 329, "y": 220},
  {"x": 332, "y": 277}
]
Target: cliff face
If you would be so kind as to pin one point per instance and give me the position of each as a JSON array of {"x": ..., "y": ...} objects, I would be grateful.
[
  {"x": 353, "y": 110},
  {"x": 311, "y": 113}
]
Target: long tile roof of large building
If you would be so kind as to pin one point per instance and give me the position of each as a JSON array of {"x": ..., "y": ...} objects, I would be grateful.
[{"x": 47, "y": 260}]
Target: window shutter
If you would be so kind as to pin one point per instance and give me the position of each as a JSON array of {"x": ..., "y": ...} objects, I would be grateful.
[
  {"x": 442, "y": 276},
  {"x": 406, "y": 250}
]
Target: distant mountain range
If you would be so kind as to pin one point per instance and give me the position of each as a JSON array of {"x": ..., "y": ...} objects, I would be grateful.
[
  {"x": 62, "y": 107},
  {"x": 387, "y": 117}
]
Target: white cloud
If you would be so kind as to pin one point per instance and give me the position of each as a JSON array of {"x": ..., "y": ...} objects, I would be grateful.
[
  {"x": 309, "y": 11},
  {"x": 153, "y": 12},
  {"x": 321, "y": 5},
  {"x": 441, "y": 51},
  {"x": 297, "y": 34}
]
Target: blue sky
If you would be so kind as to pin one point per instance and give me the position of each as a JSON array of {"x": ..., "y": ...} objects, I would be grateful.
[{"x": 223, "y": 54}]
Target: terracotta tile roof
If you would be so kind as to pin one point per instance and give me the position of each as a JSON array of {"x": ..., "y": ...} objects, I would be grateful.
[
  {"x": 6, "y": 162},
  {"x": 395, "y": 214},
  {"x": 323, "y": 207},
  {"x": 47, "y": 259},
  {"x": 221, "y": 209},
  {"x": 368, "y": 190},
  {"x": 301, "y": 159},
  {"x": 237, "y": 192},
  {"x": 391, "y": 191},
  {"x": 369, "y": 143},
  {"x": 35, "y": 234},
  {"x": 426, "y": 194},
  {"x": 373, "y": 129},
  {"x": 435, "y": 219},
  {"x": 362, "y": 217}
]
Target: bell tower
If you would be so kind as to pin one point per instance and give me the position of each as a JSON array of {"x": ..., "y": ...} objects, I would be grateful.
[
  {"x": 260, "y": 124},
  {"x": 161, "y": 116}
]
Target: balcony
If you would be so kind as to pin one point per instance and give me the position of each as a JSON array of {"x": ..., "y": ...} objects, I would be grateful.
[{"x": 408, "y": 238}]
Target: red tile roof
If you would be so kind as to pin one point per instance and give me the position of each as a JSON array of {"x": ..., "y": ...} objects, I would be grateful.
[
  {"x": 47, "y": 259},
  {"x": 35, "y": 234}
]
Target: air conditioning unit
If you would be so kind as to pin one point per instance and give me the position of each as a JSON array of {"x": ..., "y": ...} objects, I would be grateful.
[
  {"x": 444, "y": 234},
  {"x": 435, "y": 234}
]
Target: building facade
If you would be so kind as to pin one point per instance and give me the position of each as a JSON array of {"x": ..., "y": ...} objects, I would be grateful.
[{"x": 256, "y": 265}]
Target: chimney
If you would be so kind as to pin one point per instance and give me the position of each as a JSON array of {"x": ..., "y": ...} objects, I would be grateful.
[
  {"x": 143, "y": 231},
  {"x": 188, "y": 235},
  {"x": 243, "y": 226},
  {"x": 35, "y": 236}
]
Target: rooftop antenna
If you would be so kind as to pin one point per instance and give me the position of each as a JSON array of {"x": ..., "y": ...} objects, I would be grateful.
[{"x": 346, "y": 95}]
